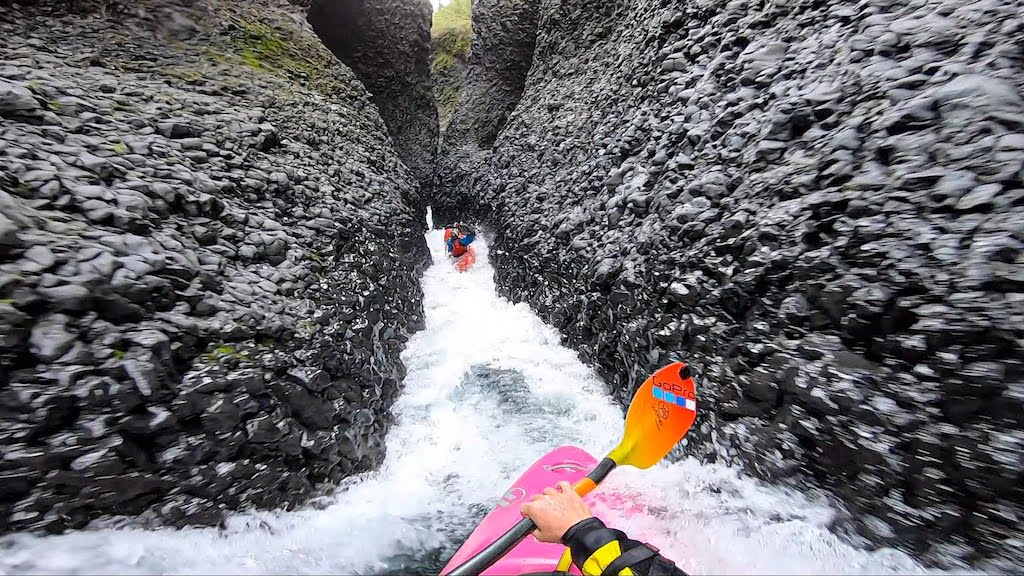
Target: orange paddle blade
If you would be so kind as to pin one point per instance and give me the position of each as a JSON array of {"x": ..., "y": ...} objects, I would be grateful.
[{"x": 663, "y": 410}]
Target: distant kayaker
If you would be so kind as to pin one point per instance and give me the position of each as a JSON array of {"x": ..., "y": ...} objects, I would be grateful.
[
  {"x": 458, "y": 237},
  {"x": 563, "y": 517}
]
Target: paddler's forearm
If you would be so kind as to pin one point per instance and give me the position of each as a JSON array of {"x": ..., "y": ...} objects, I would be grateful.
[{"x": 595, "y": 548}]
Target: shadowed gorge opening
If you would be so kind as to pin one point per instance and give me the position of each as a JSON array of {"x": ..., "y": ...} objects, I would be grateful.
[{"x": 387, "y": 45}]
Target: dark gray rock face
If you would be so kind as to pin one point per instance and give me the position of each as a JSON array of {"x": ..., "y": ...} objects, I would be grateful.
[
  {"x": 504, "y": 36},
  {"x": 820, "y": 206},
  {"x": 504, "y": 39},
  {"x": 387, "y": 45},
  {"x": 208, "y": 267},
  {"x": 448, "y": 78}
]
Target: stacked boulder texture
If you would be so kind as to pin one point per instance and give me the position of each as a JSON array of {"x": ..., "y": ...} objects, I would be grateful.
[
  {"x": 820, "y": 205},
  {"x": 387, "y": 44},
  {"x": 211, "y": 235},
  {"x": 209, "y": 261}
]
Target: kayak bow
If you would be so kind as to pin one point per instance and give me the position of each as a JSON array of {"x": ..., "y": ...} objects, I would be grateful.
[{"x": 663, "y": 409}]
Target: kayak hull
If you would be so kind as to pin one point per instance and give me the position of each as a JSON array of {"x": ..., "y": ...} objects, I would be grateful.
[
  {"x": 567, "y": 463},
  {"x": 466, "y": 261}
]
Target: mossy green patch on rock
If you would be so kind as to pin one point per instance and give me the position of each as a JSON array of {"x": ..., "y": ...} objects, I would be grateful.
[
  {"x": 447, "y": 92},
  {"x": 315, "y": 256},
  {"x": 257, "y": 43},
  {"x": 264, "y": 47},
  {"x": 456, "y": 16},
  {"x": 451, "y": 38},
  {"x": 267, "y": 39},
  {"x": 451, "y": 35},
  {"x": 225, "y": 350},
  {"x": 191, "y": 75}
]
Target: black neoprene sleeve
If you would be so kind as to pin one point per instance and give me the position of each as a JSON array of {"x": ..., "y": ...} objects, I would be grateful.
[{"x": 587, "y": 536}]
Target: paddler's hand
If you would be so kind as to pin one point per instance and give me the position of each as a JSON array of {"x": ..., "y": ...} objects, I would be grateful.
[{"x": 555, "y": 511}]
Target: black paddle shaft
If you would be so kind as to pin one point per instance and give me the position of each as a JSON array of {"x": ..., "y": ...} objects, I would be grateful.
[{"x": 497, "y": 549}]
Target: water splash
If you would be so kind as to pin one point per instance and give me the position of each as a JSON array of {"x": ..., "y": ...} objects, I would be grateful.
[{"x": 489, "y": 390}]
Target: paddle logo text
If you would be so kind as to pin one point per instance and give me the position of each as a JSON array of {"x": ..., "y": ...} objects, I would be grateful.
[
  {"x": 673, "y": 393},
  {"x": 514, "y": 494}
]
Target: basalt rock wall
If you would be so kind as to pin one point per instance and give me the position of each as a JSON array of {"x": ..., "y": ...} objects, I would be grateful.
[
  {"x": 451, "y": 34},
  {"x": 819, "y": 205},
  {"x": 208, "y": 265},
  {"x": 387, "y": 45},
  {"x": 504, "y": 38}
]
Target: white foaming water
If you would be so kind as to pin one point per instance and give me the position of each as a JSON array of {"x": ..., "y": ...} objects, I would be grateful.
[{"x": 489, "y": 390}]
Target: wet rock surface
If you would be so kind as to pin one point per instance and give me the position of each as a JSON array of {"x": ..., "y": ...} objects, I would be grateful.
[
  {"x": 818, "y": 205},
  {"x": 387, "y": 45},
  {"x": 208, "y": 265},
  {"x": 504, "y": 37},
  {"x": 451, "y": 35}
]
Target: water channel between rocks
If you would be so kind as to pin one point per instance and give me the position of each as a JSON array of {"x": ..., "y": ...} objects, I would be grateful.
[{"x": 489, "y": 390}]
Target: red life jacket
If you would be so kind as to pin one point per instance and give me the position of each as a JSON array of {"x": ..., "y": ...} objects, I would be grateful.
[{"x": 457, "y": 248}]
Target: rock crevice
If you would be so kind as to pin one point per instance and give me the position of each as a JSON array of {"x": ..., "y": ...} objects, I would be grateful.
[
  {"x": 504, "y": 39},
  {"x": 451, "y": 36},
  {"x": 387, "y": 44}
]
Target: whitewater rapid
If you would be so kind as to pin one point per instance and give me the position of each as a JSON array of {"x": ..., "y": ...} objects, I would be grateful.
[{"x": 489, "y": 390}]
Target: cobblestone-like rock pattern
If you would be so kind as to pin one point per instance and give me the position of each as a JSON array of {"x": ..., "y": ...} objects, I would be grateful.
[
  {"x": 504, "y": 36},
  {"x": 387, "y": 45},
  {"x": 207, "y": 265},
  {"x": 818, "y": 204},
  {"x": 504, "y": 39}
]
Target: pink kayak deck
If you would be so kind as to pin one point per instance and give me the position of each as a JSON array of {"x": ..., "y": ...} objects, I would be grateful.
[{"x": 567, "y": 463}]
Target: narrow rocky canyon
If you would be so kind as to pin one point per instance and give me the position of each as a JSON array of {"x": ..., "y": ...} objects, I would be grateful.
[
  {"x": 387, "y": 45},
  {"x": 214, "y": 252}
]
